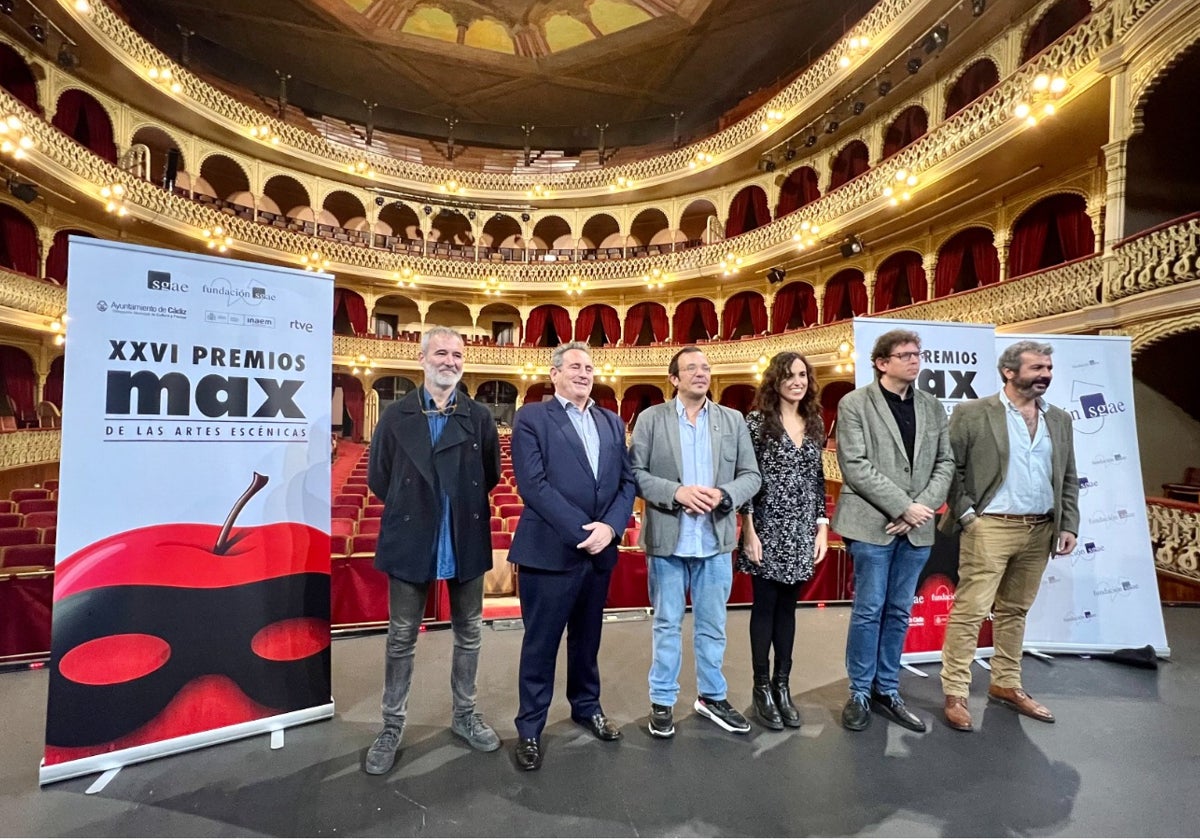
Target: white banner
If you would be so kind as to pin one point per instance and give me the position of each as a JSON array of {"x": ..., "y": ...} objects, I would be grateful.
[
  {"x": 958, "y": 363},
  {"x": 1104, "y": 595},
  {"x": 191, "y": 598}
]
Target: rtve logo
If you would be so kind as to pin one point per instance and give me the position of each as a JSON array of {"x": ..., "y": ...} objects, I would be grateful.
[{"x": 160, "y": 281}]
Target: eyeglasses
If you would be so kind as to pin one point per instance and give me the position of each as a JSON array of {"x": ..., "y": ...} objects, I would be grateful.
[
  {"x": 906, "y": 357},
  {"x": 696, "y": 369}
]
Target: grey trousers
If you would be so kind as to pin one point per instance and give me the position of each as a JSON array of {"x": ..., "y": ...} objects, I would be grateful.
[{"x": 406, "y": 607}]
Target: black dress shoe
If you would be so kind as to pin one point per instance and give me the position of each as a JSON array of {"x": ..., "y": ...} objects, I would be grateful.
[
  {"x": 601, "y": 727},
  {"x": 528, "y": 753},
  {"x": 856, "y": 714},
  {"x": 895, "y": 708}
]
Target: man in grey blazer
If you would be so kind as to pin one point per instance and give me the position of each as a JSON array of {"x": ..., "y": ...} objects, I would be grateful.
[
  {"x": 893, "y": 446},
  {"x": 1015, "y": 497},
  {"x": 694, "y": 464}
]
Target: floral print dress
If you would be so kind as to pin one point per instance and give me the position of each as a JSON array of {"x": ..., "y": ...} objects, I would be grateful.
[{"x": 786, "y": 508}]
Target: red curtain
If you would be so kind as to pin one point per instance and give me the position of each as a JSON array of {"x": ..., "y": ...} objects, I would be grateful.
[
  {"x": 636, "y": 396},
  {"x": 53, "y": 389},
  {"x": 885, "y": 284},
  {"x": 949, "y": 264},
  {"x": 1028, "y": 243},
  {"x": 18, "y": 241},
  {"x": 747, "y": 211},
  {"x": 975, "y": 81},
  {"x": 758, "y": 314},
  {"x": 1058, "y": 20},
  {"x": 660, "y": 324},
  {"x": 83, "y": 119},
  {"x": 562, "y": 322},
  {"x": 1074, "y": 232},
  {"x": 605, "y": 397},
  {"x": 858, "y": 295},
  {"x": 611, "y": 322},
  {"x": 918, "y": 286},
  {"x": 353, "y": 399},
  {"x": 17, "y": 78},
  {"x": 58, "y": 255},
  {"x": 634, "y": 319},
  {"x": 783, "y": 307},
  {"x": 733, "y": 314},
  {"x": 536, "y": 325},
  {"x": 911, "y": 124},
  {"x": 799, "y": 189},
  {"x": 986, "y": 261},
  {"x": 851, "y": 162},
  {"x": 586, "y": 322},
  {"x": 847, "y": 282},
  {"x": 834, "y": 294},
  {"x": 356, "y": 311},
  {"x": 685, "y": 314},
  {"x": 20, "y": 382}
]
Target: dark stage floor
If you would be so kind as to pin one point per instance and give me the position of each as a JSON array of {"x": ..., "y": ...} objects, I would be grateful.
[{"x": 1122, "y": 759}]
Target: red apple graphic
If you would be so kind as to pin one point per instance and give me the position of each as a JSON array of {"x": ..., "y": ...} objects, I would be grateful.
[{"x": 174, "y": 629}]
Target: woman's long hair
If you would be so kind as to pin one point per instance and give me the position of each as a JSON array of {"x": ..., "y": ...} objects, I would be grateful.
[{"x": 767, "y": 399}]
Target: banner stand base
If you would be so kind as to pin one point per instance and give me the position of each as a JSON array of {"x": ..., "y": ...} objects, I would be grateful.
[
  {"x": 983, "y": 663},
  {"x": 914, "y": 670},
  {"x": 114, "y": 761},
  {"x": 102, "y": 782},
  {"x": 277, "y": 739},
  {"x": 1045, "y": 657}
]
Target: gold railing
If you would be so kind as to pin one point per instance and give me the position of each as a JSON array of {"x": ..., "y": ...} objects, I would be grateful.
[
  {"x": 1175, "y": 537},
  {"x": 1165, "y": 256},
  {"x": 29, "y": 447}
]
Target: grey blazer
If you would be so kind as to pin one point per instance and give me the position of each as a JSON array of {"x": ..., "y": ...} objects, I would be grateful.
[
  {"x": 979, "y": 438},
  {"x": 656, "y": 458},
  {"x": 878, "y": 483}
]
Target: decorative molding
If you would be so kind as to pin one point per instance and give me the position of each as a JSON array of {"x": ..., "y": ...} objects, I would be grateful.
[
  {"x": 1164, "y": 257},
  {"x": 29, "y": 447},
  {"x": 833, "y": 470},
  {"x": 27, "y": 294},
  {"x": 1175, "y": 537}
]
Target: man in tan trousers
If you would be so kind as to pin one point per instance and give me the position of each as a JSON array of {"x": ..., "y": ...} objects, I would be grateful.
[{"x": 1015, "y": 497}]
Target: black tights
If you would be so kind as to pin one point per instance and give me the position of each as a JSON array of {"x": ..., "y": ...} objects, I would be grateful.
[{"x": 772, "y": 622}]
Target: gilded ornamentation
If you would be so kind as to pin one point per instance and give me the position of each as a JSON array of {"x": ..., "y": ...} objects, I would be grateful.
[
  {"x": 28, "y": 447},
  {"x": 28, "y": 295},
  {"x": 1175, "y": 537},
  {"x": 1163, "y": 258}
]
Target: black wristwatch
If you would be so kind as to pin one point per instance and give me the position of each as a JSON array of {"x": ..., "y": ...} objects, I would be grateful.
[{"x": 726, "y": 502}]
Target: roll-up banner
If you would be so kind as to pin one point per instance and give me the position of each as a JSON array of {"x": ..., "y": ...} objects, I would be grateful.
[
  {"x": 1103, "y": 596},
  {"x": 191, "y": 594},
  {"x": 958, "y": 363}
]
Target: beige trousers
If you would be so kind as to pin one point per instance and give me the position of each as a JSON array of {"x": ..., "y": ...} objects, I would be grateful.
[{"x": 1000, "y": 568}]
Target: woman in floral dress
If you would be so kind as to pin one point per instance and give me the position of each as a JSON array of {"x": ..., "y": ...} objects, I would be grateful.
[{"x": 784, "y": 528}]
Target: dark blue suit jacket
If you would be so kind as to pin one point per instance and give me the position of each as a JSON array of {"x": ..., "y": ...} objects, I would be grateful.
[{"x": 559, "y": 491}]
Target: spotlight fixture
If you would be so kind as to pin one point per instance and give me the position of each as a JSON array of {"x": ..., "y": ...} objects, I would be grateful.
[
  {"x": 24, "y": 191},
  {"x": 810, "y": 140},
  {"x": 427, "y": 210},
  {"x": 859, "y": 107},
  {"x": 37, "y": 32},
  {"x": 766, "y": 164},
  {"x": 831, "y": 126},
  {"x": 524, "y": 217},
  {"x": 380, "y": 201},
  {"x": 471, "y": 215},
  {"x": 6, "y": 6},
  {"x": 936, "y": 39},
  {"x": 914, "y": 64},
  {"x": 66, "y": 59},
  {"x": 776, "y": 274},
  {"x": 977, "y": 7},
  {"x": 885, "y": 87},
  {"x": 789, "y": 154},
  {"x": 852, "y": 245}
]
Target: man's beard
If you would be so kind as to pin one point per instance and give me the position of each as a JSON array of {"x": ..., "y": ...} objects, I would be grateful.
[{"x": 444, "y": 379}]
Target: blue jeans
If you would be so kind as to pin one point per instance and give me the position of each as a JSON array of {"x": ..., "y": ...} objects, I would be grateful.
[
  {"x": 885, "y": 579},
  {"x": 709, "y": 579}
]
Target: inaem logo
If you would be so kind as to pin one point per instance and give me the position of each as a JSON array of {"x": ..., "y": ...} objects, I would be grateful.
[{"x": 160, "y": 281}]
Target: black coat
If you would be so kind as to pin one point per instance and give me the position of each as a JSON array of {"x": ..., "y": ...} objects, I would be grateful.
[{"x": 410, "y": 475}]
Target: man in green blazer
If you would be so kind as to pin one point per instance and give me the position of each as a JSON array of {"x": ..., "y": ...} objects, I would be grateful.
[
  {"x": 894, "y": 450},
  {"x": 1015, "y": 498}
]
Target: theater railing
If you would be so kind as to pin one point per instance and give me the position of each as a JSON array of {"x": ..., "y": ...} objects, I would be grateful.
[
  {"x": 1175, "y": 537},
  {"x": 1164, "y": 256},
  {"x": 29, "y": 447}
]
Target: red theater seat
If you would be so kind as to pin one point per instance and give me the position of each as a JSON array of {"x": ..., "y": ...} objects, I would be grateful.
[
  {"x": 11, "y": 520},
  {"x": 348, "y": 499},
  {"x": 18, "y": 536},
  {"x": 497, "y": 524},
  {"x": 7, "y": 507},
  {"x": 36, "y": 505},
  {"x": 506, "y": 511},
  {"x": 339, "y": 545},
  {"x": 26, "y": 556},
  {"x": 363, "y": 545},
  {"x": 506, "y": 499},
  {"x": 51, "y": 484},
  {"x": 29, "y": 493},
  {"x": 373, "y": 512},
  {"x": 501, "y": 539},
  {"x": 344, "y": 511},
  {"x": 369, "y": 526},
  {"x": 342, "y": 527},
  {"x": 41, "y": 519},
  {"x": 49, "y": 535},
  {"x": 510, "y": 524},
  {"x": 360, "y": 490}
]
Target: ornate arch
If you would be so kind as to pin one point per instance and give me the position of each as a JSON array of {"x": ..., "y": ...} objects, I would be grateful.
[
  {"x": 1155, "y": 67},
  {"x": 1151, "y": 333}
]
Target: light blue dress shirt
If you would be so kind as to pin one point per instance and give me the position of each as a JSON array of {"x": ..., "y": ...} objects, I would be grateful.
[
  {"x": 585, "y": 425},
  {"x": 447, "y": 563},
  {"x": 1027, "y": 487},
  {"x": 697, "y": 535}
]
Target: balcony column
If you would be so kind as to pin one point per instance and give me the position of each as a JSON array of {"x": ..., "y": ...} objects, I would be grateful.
[
  {"x": 869, "y": 282},
  {"x": 45, "y": 239},
  {"x": 1122, "y": 123},
  {"x": 370, "y": 300},
  {"x": 622, "y": 311},
  {"x": 1003, "y": 240},
  {"x": 423, "y": 310},
  {"x": 819, "y": 294},
  {"x": 1096, "y": 210},
  {"x": 929, "y": 263},
  {"x": 475, "y": 309},
  {"x": 370, "y": 411},
  {"x": 523, "y": 312}
]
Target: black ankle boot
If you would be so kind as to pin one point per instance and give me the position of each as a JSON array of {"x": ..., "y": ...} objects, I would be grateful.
[
  {"x": 764, "y": 704},
  {"x": 788, "y": 713}
]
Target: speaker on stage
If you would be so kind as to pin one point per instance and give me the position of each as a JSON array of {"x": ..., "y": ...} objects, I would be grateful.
[{"x": 171, "y": 169}]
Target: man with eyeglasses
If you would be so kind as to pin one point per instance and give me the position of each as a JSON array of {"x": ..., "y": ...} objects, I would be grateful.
[
  {"x": 695, "y": 466},
  {"x": 893, "y": 446},
  {"x": 434, "y": 456}
]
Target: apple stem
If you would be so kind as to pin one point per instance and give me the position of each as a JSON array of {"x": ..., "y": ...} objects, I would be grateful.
[{"x": 259, "y": 482}]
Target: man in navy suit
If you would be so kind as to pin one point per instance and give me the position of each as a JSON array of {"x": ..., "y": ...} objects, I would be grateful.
[{"x": 572, "y": 470}]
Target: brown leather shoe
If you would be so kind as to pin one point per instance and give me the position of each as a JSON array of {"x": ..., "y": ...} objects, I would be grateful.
[
  {"x": 958, "y": 716},
  {"x": 1018, "y": 700}
]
